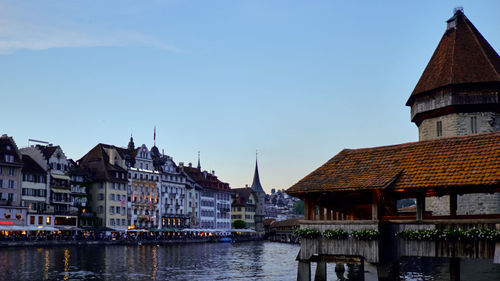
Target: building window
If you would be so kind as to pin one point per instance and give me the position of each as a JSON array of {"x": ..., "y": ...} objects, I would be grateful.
[
  {"x": 101, "y": 209},
  {"x": 439, "y": 128},
  {"x": 473, "y": 124},
  {"x": 47, "y": 220},
  {"x": 32, "y": 220},
  {"x": 40, "y": 220}
]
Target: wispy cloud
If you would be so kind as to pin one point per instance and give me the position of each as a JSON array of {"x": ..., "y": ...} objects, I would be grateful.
[{"x": 20, "y": 31}]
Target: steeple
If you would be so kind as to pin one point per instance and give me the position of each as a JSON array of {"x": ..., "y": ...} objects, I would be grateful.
[
  {"x": 463, "y": 57},
  {"x": 131, "y": 145},
  {"x": 199, "y": 165},
  {"x": 256, "y": 186},
  {"x": 457, "y": 93}
]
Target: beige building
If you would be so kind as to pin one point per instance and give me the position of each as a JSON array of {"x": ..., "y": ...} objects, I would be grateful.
[
  {"x": 243, "y": 203},
  {"x": 10, "y": 183},
  {"x": 108, "y": 191}
]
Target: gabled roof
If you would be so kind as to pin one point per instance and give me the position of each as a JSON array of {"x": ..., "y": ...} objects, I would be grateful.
[
  {"x": 31, "y": 167},
  {"x": 96, "y": 161},
  {"x": 5, "y": 143},
  {"x": 240, "y": 196},
  {"x": 463, "y": 56},
  {"x": 46, "y": 150},
  {"x": 205, "y": 179},
  {"x": 466, "y": 161}
]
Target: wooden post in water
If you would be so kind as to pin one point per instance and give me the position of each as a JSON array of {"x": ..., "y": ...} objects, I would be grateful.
[
  {"x": 304, "y": 271},
  {"x": 320, "y": 271},
  {"x": 454, "y": 269}
]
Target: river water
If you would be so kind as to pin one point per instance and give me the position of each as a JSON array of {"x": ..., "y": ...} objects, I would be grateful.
[{"x": 208, "y": 261}]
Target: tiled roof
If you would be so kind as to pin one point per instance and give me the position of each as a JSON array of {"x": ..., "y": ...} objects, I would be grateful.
[
  {"x": 286, "y": 223},
  {"x": 8, "y": 146},
  {"x": 47, "y": 151},
  {"x": 205, "y": 179},
  {"x": 31, "y": 167},
  {"x": 463, "y": 56},
  {"x": 96, "y": 161},
  {"x": 242, "y": 196},
  {"x": 466, "y": 161}
]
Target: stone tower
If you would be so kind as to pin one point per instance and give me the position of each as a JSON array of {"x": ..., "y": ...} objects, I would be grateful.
[
  {"x": 458, "y": 94},
  {"x": 260, "y": 211}
]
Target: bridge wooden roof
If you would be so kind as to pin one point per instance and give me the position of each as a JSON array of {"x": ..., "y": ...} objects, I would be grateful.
[{"x": 466, "y": 161}]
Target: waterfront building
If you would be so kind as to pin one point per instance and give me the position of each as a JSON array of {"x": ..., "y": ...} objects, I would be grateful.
[
  {"x": 80, "y": 186},
  {"x": 260, "y": 209},
  {"x": 215, "y": 199},
  {"x": 193, "y": 190},
  {"x": 175, "y": 214},
  {"x": 58, "y": 191},
  {"x": 108, "y": 188},
  {"x": 358, "y": 189},
  {"x": 243, "y": 202},
  {"x": 143, "y": 187},
  {"x": 11, "y": 212},
  {"x": 34, "y": 185}
]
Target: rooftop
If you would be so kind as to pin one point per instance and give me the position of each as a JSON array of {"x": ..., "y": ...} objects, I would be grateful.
[{"x": 466, "y": 161}]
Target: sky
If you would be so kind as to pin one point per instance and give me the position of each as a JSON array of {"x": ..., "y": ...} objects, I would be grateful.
[{"x": 297, "y": 81}]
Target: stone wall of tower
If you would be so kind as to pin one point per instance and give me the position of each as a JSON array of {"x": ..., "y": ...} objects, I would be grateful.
[
  {"x": 459, "y": 124},
  {"x": 467, "y": 204}
]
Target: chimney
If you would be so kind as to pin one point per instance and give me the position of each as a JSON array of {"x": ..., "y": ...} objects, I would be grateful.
[
  {"x": 213, "y": 172},
  {"x": 181, "y": 164},
  {"x": 190, "y": 165}
]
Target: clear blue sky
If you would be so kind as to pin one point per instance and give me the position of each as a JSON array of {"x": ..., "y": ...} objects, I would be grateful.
[{"x": 297, "y": 80}]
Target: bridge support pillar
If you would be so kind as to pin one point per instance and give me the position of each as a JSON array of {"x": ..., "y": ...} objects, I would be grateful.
[
  {"x": 320, "y": 271},
  {"x": 454, "y": 269},
  {"x": 304, "y": 271},
  {"x": 370, "y": 272}
]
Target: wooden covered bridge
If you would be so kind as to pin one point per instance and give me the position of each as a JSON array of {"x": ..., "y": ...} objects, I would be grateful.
[{"x": 354, "y": 197}]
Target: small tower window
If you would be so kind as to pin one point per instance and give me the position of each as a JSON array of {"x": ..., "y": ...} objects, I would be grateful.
[
  {"x": 473, "y": 125},
  {"x": 439, "y": 128}
]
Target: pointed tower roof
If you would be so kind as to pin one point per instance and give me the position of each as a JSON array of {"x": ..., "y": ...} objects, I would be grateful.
[
  {"x": 131, "y": 145},
  {"x": 199, "y": 165},
  {"x": 463, "y": 56},
  {"x": 256, "y": 186}
]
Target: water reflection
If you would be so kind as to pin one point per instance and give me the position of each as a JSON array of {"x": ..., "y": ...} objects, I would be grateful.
[{"x": 244, "y": 261}]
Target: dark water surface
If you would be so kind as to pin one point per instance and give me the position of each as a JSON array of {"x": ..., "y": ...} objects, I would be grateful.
[{"x": 209, "y": 261}]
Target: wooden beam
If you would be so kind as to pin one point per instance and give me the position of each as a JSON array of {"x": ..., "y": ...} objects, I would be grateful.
[
  {"x": 321, "y": 210},
  {"x": 375, "y": 204},
  {"x": 453, "y": 204},
  {"x": 420, "y": 206}
]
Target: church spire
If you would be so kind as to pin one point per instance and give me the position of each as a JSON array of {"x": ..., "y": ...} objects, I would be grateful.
[
  {"x": 256, "y": 186},
  {"x": 199, "y": 165},
  {"x": 131, "y": 145}
]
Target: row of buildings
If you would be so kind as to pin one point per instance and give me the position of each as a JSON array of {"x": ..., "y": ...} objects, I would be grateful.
[{"x": 118, "y": 188}]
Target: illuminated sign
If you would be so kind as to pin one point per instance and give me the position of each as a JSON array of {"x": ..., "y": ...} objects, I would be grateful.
[{"x": 6, "y": 223}]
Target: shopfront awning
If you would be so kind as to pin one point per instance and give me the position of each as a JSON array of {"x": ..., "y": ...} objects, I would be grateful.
[
  {"x": 59, "y": 190},
  {"x": 60, "y": 177},
  {"x": 63, "y": 228},
  {"x": 27, "y": 228}
]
